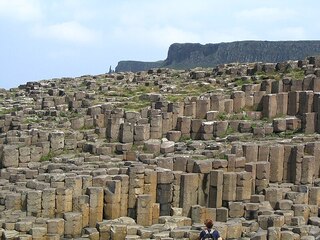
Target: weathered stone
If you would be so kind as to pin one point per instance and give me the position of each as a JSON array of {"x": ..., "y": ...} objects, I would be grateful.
[
  {"x": 141, "y": 132},
  {"x": 73, "y": 224},
  {"x": 56, "y": 140},
  {"x": 112, "y": 199},
  {"x": 273, "y": 195},
  {"x": 188, "y": 192},
  {"x": 56, "y": 226},
  {"x": 184, "y": 125},
  {"x": 10, "y": 156},
  {"x": 276, "y": 163},
  {"x": 229, "y": 186},
  {"x": 269, "y": 106},
  {"x": 236, "y": 209},
  {"x": 34, "y": 203},
  {"x": 307, "y": 171},
  {"x": 250, "y": 152},
  {"x": 95, "y": 205},
  {"x": 144, "y": 210},
  {"x": 167, "y": 147},
  {"x": 174, "y": 136},
  {"x": 202, "y": 107},
  {"x": 152, "y": 146},
  {"x": 48, "y": 202},
  {"x": 217, "y": 103},
  {"x": 63, "y": 201},
  {"x": 126, "y": 132},
  {"x": 238, "y": 101}
]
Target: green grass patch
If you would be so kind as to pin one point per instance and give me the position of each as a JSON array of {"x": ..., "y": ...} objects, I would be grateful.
[
  {"x": 223, "y": 156},
  {"x": 199, "y": 157},
  {"x": 84, "y": 128},
  {"x": 71, "y": 114},
  {"x": 47, "y": 157},
  {"x": 270, "y": 75},
  {"x": 30, "y": 120},
  {"x": 241, "y": 82},
  {"x": 194, "y": 89},
  {"x": 185, "y": 139},
  {"x": 175, "y": 97},
  {"x": 136, "y": 147},
  {"x": 136, "y": 91},
  {"x": 229, "y": 131},
  {"x": 4, "y": 111},
  {"x": 63, "y": 114},
  {"x": 134, "y": 105},
  {"x": 222, "y": 116},
  {"x": 296, "y": 74}
]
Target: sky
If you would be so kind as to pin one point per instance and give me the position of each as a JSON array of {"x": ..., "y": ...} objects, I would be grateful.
[{"x": 45, "y": 39}]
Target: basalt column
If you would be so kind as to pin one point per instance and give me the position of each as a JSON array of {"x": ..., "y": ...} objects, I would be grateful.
[{"x": 188, "y": 192}]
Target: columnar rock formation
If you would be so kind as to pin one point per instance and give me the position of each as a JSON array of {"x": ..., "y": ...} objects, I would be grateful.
[{"x": 154, "y": 154}]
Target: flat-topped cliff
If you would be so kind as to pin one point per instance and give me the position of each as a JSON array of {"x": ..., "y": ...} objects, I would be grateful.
[{"x": 191, "y": 55}]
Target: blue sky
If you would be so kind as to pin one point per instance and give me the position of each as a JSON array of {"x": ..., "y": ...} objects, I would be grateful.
[{"x": 44, "y": 39}]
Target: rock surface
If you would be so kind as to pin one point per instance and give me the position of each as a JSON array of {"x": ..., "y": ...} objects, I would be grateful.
[{"x": 152, "y": 155}]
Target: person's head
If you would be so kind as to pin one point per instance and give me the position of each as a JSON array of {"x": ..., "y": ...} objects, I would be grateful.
[{"x": 208, "y": 223}]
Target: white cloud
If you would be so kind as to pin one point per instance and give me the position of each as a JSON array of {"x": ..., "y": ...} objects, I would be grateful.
[
  {"x": 169, "y": 35},
  {"x": 72, "y": 32},
  {"x": 228, "y": 35},
  {"x": 165, "y": 36},
  {"x": 289, "y": 33},
  {"x": 22, "y": 10},
  {"x": 158, "y": 36},
  {"x": 177, "y": 13},
  {"x": 266, "y": 14}
]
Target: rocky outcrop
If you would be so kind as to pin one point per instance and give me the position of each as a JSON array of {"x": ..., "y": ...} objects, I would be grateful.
[
  {"x": 136, "y": 66},
  {"x": 152, "y": 155},
  {"x": 191, "y": 55}
]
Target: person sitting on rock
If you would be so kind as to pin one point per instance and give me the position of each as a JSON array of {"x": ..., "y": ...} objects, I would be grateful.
[{"x": 209, "y": 233}]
